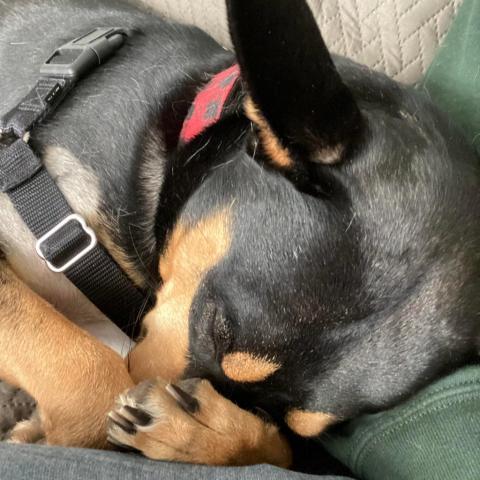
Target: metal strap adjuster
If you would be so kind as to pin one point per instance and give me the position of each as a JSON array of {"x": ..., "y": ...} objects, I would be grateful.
[{"x": 78, "y": 256}]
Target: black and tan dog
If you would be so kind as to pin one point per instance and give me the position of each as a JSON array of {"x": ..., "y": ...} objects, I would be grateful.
[{"x": 315, "y": 253}]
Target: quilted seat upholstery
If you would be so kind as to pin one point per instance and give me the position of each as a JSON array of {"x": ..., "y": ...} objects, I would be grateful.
[{"x": 397, "y": 37}]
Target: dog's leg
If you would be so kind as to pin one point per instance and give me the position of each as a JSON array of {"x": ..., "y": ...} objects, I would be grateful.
[
  {"x": 191, "y": 422},
  {"x": 73, "y": 377}
]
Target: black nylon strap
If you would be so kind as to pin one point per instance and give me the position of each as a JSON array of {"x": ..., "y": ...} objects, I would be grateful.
[
  {"x": 42, "y": 206},
  {"x": 32, "y": 109},
  {"x": 17, "y": 167},
  {"x": 64, "y": 239}
]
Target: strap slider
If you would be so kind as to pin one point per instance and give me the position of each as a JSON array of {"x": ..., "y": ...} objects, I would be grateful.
[
  {"x": 69, "y": 262},
  {"x": 76, "y": 58}
]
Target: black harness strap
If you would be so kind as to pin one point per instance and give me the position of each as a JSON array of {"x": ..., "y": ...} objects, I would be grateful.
[
  {"x": 64, "y": 240},
  {"x": 40, "y": 101}
]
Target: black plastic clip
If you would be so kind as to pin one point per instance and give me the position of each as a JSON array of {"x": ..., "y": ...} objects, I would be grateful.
[{"x": 77, "y": 57}]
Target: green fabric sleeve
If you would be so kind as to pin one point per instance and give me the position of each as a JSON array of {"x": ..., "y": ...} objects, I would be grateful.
[
  {"x": 434, "y": 436},
  {"x": 453, "y": 79}
]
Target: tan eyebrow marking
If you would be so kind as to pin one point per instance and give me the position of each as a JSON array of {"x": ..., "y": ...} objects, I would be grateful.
[{"x": 248, "y": 368}]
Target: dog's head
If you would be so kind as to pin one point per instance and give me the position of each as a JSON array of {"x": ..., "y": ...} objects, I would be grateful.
[{"x": 328, "y": 264}]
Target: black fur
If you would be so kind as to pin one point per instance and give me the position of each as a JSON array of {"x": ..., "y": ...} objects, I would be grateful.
[
  {"x": 308, "y": 112},
  {"x": 363, "y": 295},
  {"x": 362, "y": 280}
]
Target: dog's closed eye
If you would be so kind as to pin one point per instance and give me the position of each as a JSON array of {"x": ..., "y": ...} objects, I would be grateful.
[
  {"x": 222, "y": 331},
  {"x": 212, "y": 328}
]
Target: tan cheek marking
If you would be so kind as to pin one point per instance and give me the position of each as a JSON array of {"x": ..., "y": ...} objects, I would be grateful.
[
  {"x": 247, "y": 368},
  {"x": 278, "y": 154},
  {"x": 308, "y": 424},
  {"x": 190, "y": 254}
]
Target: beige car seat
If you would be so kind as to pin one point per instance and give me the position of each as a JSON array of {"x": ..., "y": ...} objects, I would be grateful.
[{"x": 397, "y": 37}]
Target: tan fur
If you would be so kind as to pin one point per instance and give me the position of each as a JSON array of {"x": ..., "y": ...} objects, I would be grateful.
[
  {"x": 248, "y": 368},
  {"x": 277, "y": 153},
  {"x": 330, "y": 155},
  {"x": 191, "y": 252},
  {"x": 308, "y": 424},
  {"x": 73, "y": 377},
  {"x": 218, "y": 433},
  {"x": 74, "y": 178}
]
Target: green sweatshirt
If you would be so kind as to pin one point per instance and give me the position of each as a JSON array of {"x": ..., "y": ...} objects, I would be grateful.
[{"x": 434, "y": 436}]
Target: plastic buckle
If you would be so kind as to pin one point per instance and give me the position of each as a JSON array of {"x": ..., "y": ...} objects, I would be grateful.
[
  {"x": 71, "y": 218},
  {"x": 79, "y": 56}
]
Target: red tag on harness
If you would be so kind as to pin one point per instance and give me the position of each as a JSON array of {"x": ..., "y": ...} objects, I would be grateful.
[{"x": 208, "y": 104}]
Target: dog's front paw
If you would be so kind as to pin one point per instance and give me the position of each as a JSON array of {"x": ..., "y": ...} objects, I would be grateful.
[{"x": 191, "y": 422}]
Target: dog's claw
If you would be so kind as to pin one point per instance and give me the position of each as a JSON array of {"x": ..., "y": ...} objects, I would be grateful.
[
  {"x": 141, "y": 418},
  {"x": 122, "y": 422},
  {"x": 185, "y": 400}
]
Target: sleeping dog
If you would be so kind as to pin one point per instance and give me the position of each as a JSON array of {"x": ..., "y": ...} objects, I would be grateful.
[{"x": 314, "y": 252}]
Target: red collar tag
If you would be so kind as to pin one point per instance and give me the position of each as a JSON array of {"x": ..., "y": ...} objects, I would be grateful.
[{"x": 208, "y": 105}]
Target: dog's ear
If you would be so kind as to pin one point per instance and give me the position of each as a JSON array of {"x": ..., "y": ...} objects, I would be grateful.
[{"x": 296, "y": 96}]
